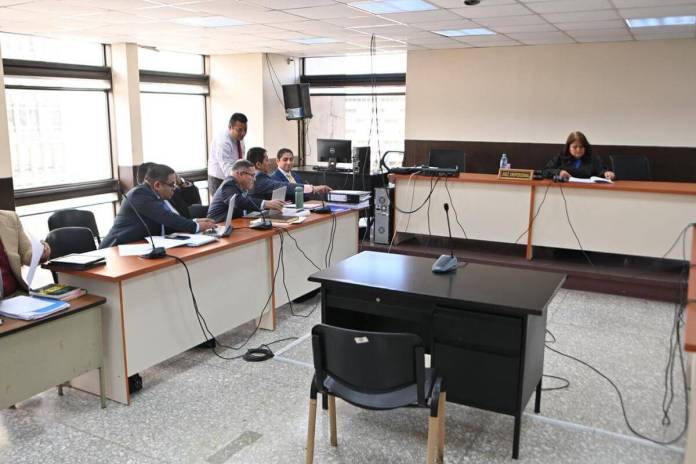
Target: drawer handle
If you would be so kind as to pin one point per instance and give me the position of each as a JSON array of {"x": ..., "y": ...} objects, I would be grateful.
[{"x": 378, "y": 300}]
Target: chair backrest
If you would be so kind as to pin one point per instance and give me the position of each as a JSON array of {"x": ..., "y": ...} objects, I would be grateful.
[
  {"x": 190, "y": 194},
  {"x": 631, "y": 167},
  {"x": 74, "y": 218},
  {"x": 198, "y": 211},
  {"x": 447, "y": 158},
  {"x": 370, "y": 362},
  {"x": 66, "y": 240}
]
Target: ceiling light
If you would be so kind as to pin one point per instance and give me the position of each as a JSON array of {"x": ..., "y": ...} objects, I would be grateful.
[
  {"x": 666, "y": 21},
  {"x": 464, "y": 32},
  {"x": 315, "y": 40},
  {"x": 393, "y": 6},
  {"x": 209, "y": 21}
]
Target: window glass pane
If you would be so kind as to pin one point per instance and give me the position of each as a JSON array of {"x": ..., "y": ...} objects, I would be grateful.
[
  {"x": 170, "y": 61},
  {"x": 54, "y": 82},
  {"x": 28, "y": 47},
  {"x": 58, "y": 137},
  {"x": 356, "y": 64},
  {"x": 350, "y": 117},
  {"x": 360, "y": 90},
  {"x": 174, "y": 130}
]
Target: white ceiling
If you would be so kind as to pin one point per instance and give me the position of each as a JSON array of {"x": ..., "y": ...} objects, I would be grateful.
[{"x": 273, "y": 24}]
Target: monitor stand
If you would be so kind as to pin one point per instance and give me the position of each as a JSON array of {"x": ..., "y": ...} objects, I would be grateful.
[{"x": 332, "y": 164}]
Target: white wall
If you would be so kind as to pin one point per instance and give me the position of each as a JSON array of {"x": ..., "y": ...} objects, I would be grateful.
[
  {"x": 277, "y": 131},
  {"x": 236, "y": 86},
  {"x": 629, "y": 93}
]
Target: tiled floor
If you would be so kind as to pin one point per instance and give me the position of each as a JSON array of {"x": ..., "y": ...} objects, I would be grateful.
[{"x": 197, "y": 407}]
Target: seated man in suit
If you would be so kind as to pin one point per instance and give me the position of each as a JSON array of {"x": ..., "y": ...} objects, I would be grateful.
[
  {"x": 284, "y": 173},
  {"x": 177, "y": 199},
  {"x": 15, "y": 250},
  {"x": 241, "y": 181},
  {"x": 149, "y": 200}
]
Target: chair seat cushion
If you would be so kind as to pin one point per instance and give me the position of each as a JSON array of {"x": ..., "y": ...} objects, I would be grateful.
[{"x": 406, "y": 396}]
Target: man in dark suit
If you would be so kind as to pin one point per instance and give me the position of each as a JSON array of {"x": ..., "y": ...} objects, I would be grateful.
[
  {"x": 241, "y": 181},
  {"x": 284, "y": 173},
  {"x": 150, "y": 201}
]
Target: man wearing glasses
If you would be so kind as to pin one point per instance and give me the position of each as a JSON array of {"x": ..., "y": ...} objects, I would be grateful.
[
  {"x": 150, "y": 200},
  {"x": 239, "y": 183}
]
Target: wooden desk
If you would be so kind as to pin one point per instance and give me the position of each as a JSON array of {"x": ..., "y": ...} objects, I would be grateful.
[
  {"x": 627, "y": 217},
  {"x": 150, "y": 317},
  {"x": 690, "y": 348},
  {"x": 36, "y": 355},
  {"x": 484, "y": 324}
]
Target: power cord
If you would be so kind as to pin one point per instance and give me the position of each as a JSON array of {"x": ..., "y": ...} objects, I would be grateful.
[{"x": 456, "y": 216}]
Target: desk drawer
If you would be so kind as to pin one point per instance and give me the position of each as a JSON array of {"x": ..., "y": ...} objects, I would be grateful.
[
  {"x": 474, "y": 378},
  {"x": 478, "y": 331},
  {"x": 377, "y": 302}
]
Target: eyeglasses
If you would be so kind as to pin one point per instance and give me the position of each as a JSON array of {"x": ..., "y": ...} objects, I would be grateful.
[
  {"x": 171, "y": 185},
  {"x": 251, "y": 174}
]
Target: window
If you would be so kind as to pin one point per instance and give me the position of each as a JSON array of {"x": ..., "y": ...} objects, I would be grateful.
[
  {"x": 173, "y": 91},
  {"x": 58, "y": 137},
  {"x": 27, "y": 47},
  {"x": 350, "y": 102},
  {"x": 157, "y": 60},
  {"x": 174, "y": 130}
]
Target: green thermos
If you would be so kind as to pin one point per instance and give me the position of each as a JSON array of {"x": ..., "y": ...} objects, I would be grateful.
[{"x": 299, "y": 197}]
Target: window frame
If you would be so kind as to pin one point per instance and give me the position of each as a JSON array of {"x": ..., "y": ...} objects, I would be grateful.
[
  {"x": 164, "y": 77},
  {"x": 32, "y": 68}
]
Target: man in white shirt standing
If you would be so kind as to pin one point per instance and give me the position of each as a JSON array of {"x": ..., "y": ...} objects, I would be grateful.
[{"x": 227, "y": 147}]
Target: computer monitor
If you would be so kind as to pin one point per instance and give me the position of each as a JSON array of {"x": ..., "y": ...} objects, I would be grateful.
[
  {"x": 447, "y": 158},
  {"x": 334, "y": 151}
]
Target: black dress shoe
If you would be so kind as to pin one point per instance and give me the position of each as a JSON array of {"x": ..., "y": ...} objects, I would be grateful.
[{"x": 135, "y": 383}]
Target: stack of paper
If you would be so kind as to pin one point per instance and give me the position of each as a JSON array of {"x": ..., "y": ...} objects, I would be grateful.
[{"x": 30, "y": 308}]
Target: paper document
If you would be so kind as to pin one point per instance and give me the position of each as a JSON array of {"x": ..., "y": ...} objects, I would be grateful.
[
  {"x": 591, "y": 180},
  {"x": 30, "y": 308},
  {"x": 37, "y": 250}
]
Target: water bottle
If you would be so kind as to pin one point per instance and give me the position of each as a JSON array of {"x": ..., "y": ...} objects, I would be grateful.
[
  {"x": 504, "y": 162},
  {"x": 299, "y": 197}
]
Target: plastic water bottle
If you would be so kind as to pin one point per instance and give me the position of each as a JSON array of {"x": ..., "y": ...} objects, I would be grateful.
[
  {"x": 504, "y": 162},
  {"x": 299, "y": 197}
]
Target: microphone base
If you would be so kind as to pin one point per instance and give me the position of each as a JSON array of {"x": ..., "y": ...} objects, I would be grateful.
[
  {"x": 262, "y": 225},
  {"x": 445, "y": 264},
  {"x": 322, "y": 210},
  {"x": 157, "y": 252}
]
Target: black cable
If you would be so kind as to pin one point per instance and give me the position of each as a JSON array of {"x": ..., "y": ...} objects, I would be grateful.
[
  {"x": 427, "y": 199},
  {"x": 456, "y": 216},
  {"x": 562, "y": 387},
  {"x": 281, "y": 260},
  {"x": 577, "y": 239}
]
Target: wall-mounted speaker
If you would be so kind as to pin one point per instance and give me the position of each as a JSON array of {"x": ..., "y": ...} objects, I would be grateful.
[{"x": 297, "y": 104}]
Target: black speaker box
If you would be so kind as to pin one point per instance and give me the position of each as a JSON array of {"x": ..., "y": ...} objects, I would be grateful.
[{"x": 297, "y": 104}]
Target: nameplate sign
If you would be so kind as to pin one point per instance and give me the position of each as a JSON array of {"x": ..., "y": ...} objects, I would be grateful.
[{"x": 516, "y": 174}]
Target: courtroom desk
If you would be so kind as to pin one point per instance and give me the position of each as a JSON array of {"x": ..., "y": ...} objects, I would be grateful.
[
  {"x": 627, "y": 217},
  {"x": 149, "y": 316},
  {"x": 483, "y": 325},
  {"x": 343, "y": 180},
  {"x": 36, "y": 355}
]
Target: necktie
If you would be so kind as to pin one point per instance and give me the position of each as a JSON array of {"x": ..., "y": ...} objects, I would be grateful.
[
  {"x": 239, "y": 150},
  {"x": 291, "y": 178}
]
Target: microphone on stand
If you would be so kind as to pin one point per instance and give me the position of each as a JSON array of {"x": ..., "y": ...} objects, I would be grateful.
[
  {"x": 156, "y": 252},
  {"x": 446, "y": 263},
  {"x": 324, "y": 209}
]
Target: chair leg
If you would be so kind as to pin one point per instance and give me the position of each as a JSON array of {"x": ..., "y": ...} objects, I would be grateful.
[
  {"x": 332, "y": 419},
  {"x": 310, "y": 430},
  {"x": 433, "y": 432},
  {"x": 441, "y": 429},
  {"x": 60, "y": 389}
]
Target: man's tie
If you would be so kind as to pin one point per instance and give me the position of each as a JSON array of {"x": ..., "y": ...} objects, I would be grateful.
[
  {"x": 291, "y": 178},
  {"x": 239, "y": 150}
]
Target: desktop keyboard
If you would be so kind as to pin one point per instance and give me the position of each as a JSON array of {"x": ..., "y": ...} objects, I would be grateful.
[{"x": 326, "y": 169}]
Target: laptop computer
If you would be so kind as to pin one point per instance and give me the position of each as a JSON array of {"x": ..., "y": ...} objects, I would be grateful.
[
  {"x": 278, "y": 194},
  {"x": 226, "y": 229}
]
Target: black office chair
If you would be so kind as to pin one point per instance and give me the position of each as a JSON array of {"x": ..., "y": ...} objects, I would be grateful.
[
  {"x": 74, "y": 218},
  {"x": 66, "y": 240},
  {"x": 190, "y": 194},
  {"x": 447, "y": 158},
  {"x": 198, "y": 211},
  {"x": 375, "y": 370},
  {"x": 630, "y": 167}
]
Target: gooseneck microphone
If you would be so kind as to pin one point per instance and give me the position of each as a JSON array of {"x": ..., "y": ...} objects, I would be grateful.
[
  {"x": 446, "y": 263},
  {"x": 156, "y": 252}
]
